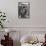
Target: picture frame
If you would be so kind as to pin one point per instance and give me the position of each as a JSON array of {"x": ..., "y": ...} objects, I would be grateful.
[{"x": 23, "y": 10}]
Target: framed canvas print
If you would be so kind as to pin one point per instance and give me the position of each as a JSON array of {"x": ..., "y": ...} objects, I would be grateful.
[{"x": 23, "y": 9}]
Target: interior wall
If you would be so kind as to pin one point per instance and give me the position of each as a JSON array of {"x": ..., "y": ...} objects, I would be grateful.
[{"x": 37, "y": 13}]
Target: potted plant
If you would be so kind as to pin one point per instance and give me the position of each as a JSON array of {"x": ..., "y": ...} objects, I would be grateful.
[{"x": 2, "y": 19}]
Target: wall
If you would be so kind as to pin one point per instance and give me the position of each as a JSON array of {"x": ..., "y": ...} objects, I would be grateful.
[{"x": 37, "y": 13}]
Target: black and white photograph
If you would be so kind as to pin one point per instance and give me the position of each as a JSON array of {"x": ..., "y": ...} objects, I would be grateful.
[{"x": 23, "y": 9}]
